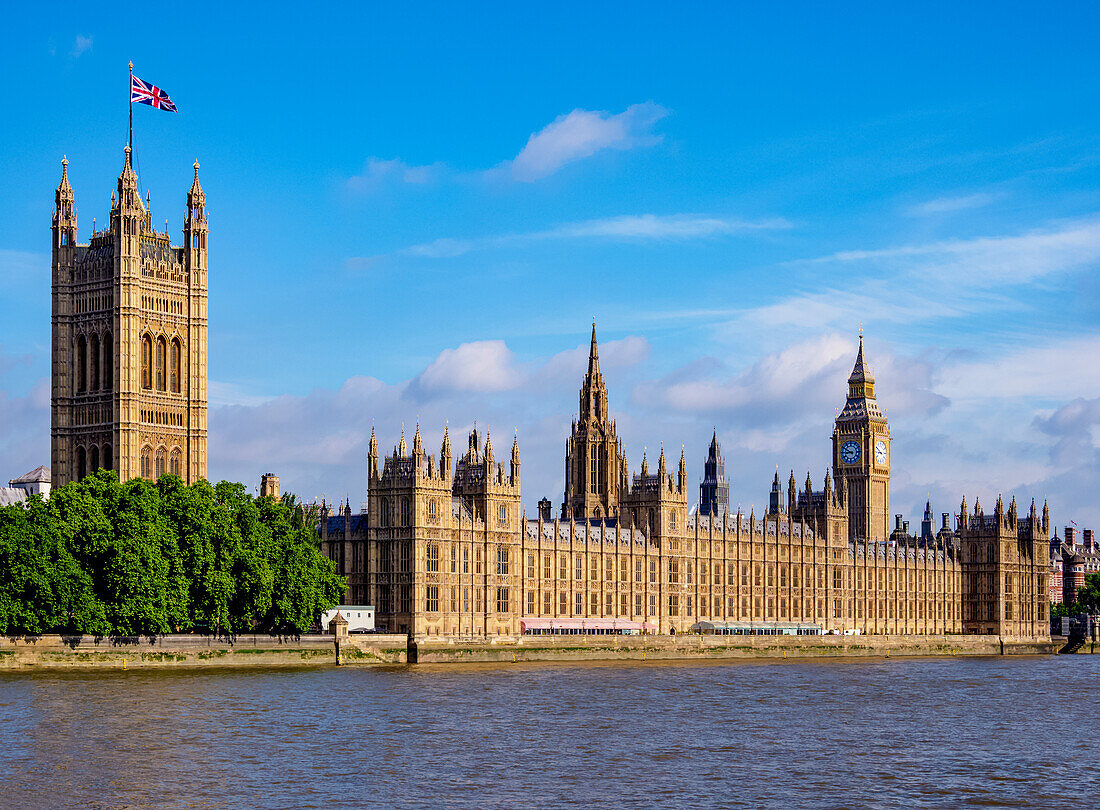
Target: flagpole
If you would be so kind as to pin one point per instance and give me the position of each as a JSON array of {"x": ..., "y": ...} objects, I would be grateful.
[{"x": 130, "y": 94}]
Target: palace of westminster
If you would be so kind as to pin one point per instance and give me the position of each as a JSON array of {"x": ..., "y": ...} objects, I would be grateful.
[{"x": 444, "y": 547}]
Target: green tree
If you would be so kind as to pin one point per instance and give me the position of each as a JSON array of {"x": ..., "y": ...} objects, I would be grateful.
[
  {"x": 1088, "y": 597},
  {"x": 103, "y": 557}
]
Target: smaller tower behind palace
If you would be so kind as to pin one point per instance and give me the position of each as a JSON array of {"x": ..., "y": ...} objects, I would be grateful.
[
  {"x": 129, "y": 339},
  {"x": 714, "y": 491}
]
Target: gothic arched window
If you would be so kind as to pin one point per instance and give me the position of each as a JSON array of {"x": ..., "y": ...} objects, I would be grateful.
[
  {"x": 162, "y": 351},
  {"x": 175, "y": 463},
  {"x": 146, "y": 462},
  {"x": 93, "y": 362},
  {"x": 385, "y": 521},
  {"x": 93, "y": 459},
  {"x": 81, "y": 463},
  {"x": 176, "y": 365},
  {"x": 108, "y": 458},
  {"x": 405, "y": 511},
  {"x": 146, "y": 364},
  {"x": 160, "y": 461},
  {"x": 108, "y": 363},
  {"x": 81, "y": 364}
]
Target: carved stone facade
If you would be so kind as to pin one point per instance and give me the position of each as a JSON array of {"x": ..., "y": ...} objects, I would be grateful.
[
  {"x": 595, "y": 467},
  {"x": 449, "y": 553},
  {"x": 129, "y": 339}
]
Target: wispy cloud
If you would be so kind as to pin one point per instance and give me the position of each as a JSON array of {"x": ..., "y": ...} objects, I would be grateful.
[
  {"x": 949, "y": 205},
  {"x": 642, "y": 227},
  {"x": 567, "y": 139},
  {"x": 581, "y": 134},
  {"x": 378, "y": 173},
  {"x": 992, "y": 260},
  {"x": 82, "y": 44}
]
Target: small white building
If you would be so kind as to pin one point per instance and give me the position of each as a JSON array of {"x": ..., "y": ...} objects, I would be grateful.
[
  {"x": 359, "y": 617},
  {"x": 36, "y": 482}
]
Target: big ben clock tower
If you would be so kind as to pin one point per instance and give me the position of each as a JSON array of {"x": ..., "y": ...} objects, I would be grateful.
[{"x": 861, "y": 456}]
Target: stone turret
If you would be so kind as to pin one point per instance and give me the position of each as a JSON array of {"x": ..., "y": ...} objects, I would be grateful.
[{"x": 594, "y": 461}]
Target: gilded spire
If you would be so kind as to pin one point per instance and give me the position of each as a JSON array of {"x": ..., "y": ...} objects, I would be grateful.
[
  {"x": 860, "y": 372},
  {"x": 64, "y": 184},
  {"x": 196, "y": 187},
  {"x": 593, "y": 353},
  {"x": 64, "y": 196}
]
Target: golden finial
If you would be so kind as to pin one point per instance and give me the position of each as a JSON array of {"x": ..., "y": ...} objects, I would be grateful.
[{"x": 131, "y": 67}]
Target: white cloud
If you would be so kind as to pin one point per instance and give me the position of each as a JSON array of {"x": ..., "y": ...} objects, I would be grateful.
[
  {"x": 949, "y": 205},
  {"x": 581, "y": 134},
  {"x": 776, "y": 410},
  {"x": 378, "y": 173},
  {"x": 81, "y": 45},
  {"x": 923, "y": 283},
  {"x": 642, "y": 227},
  {"x": 780, "y": 386},
  {"x": 1040, "y": 372},
  {"x": 226, "y": 393},
  {"x": 486, "y": 365},
  {"x": 567, "y": 139}
]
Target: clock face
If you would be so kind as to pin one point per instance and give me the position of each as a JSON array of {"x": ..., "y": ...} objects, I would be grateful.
[
  {"x": 880, "y": 452},
  {"x": 849, "y": 452}
]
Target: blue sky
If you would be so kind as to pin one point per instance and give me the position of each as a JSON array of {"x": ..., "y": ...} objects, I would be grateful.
[{"x": 417, "y": 211}]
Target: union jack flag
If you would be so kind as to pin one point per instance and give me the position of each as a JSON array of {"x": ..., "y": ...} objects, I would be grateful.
[{"x": 145, "y": 93}]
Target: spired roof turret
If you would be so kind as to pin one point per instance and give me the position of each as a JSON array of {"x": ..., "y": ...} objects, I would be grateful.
[
  {"x": 714, "y": 491},
  {"x": 861, "y": 402},
  {"x": 64, "y": 190}
]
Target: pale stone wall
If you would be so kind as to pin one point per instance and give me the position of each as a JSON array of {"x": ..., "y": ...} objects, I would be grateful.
[{"x": 127, "y": 652}]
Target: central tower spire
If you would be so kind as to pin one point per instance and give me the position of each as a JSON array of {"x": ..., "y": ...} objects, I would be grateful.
[{"x": 593, "y": 455}]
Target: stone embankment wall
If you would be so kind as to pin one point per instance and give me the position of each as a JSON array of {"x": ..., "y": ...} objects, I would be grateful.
[
  {"x": 62, "y": 652},
  {"x": 127, "y": 652},
  {"x": 656, "y": 648}
]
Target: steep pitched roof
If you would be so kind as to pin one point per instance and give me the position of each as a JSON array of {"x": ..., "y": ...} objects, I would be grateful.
[{"x": 39, "y": 475}]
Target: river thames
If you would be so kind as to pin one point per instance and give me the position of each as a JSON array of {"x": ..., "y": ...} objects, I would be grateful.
[{"x": 1017, "y": 732}]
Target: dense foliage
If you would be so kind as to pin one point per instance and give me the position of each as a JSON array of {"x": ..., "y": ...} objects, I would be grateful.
[
  {"x": 103, "y": 557},
  {"x": 1088, "y": 599}
]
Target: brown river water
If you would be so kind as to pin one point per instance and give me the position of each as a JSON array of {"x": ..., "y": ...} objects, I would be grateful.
[{"x": 1019, "y": 732}]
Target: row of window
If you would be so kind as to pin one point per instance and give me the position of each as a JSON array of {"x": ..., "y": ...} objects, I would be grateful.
[
  {"x": 92, "y": 302},
  {"x": 89, "y": 459},
  {"x": 161, "y": 363},
  {"x": 432, "y": 600},
  {"x": 760, "y": 574},
  {"x": 162, "y": 304},
  {"x": 93, "y": 369},
  {"x": 841, "y": 608},
  {"x": 156, "y": 463},
  {"x": 400, "y": 513}
]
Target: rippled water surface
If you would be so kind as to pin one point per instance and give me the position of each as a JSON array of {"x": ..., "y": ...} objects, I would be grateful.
[{"x": 954, "y": 732}]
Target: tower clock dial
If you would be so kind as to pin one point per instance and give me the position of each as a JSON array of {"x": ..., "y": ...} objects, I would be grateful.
[
  {"x": 849, "y": 452},
  {"x": 880, "y": 452}
]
